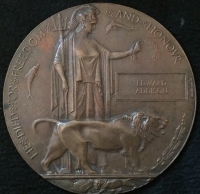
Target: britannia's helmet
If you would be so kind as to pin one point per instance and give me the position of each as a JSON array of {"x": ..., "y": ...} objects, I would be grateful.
[{"x": 83, "y": 13}]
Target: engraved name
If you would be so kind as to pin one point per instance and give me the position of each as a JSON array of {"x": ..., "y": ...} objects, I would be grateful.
[
  {"x": 151, "y": 87},
  {"x": 154, "y": 30},
  {"x": 151, "y": 83}
]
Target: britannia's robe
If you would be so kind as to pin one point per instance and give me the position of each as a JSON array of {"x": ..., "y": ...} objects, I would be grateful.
[{"x": 85, "y": 99}]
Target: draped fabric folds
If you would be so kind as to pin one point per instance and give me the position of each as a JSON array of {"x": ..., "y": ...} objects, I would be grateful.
[{"x": 85, "y": 99}]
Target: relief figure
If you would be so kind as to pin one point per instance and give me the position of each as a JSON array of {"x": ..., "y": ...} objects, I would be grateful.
[
  {"x": 126, "y": 134},
  {"x": 82, "y": 70},
  {"x": 29, "y": 79},
  {"x": 81, "y": 75},
  {"x": 114, "y": 25}
]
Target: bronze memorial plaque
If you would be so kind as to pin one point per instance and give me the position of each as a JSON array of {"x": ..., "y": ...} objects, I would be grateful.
[{"x": 99, "y": 98}]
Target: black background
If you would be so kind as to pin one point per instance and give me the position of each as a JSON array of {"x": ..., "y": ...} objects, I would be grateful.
[{"x": 18, "y": 18}]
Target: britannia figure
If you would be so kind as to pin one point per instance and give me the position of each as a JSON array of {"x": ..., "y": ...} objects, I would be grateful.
[{"x": 81, "y": 73}]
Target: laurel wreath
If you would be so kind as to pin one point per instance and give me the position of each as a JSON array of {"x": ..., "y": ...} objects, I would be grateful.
[
  {"x": 157, "y": 51},
  {"x": 174, "y": 144}
]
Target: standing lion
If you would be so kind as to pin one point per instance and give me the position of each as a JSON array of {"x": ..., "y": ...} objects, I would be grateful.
[{"x": 127, "y": 134}]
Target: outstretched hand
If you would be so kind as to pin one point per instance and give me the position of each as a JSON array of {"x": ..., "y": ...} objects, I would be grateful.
[{"x": 135, "y": 49}]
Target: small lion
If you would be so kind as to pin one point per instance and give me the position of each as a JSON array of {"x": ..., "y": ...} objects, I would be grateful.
[{"x": 124, "y": 134}]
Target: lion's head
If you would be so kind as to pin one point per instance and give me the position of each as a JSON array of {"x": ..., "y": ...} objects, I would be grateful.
[
  {"x": 147, "y": 126},
  {"x": 156, "y": 125}
]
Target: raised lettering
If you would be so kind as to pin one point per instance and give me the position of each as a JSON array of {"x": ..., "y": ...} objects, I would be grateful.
[
  {"x": 12, "y": 88},
  {"x": 15, "y": 73},
  {"x": 12, "y": 95},
  {"x": 28, "y": 151},
  {"x": 177, "y": 58},
  {"x": 33, "y": 42},
  {"x": 14, "y": 116},
  {"x": 157, "y": 33},
  {"x": 39, "y": 36},
  {"x": 20, "y": 62},
  {"x": 19, "y": 133},
  {"x": 26, "y": 147},
  {"x": 152, "y": 29},
  {"x": 135, "y": 18},
  {"x": 15, "y": 122},
  {"x": 34, "y": 155},
  {"x": 173, "y": 53},
  {"x": 27, "y": 49},
  {"x": 128, "y": 16},
  {"x": 164, "y": 40},
  {"x": 120, "y": 14},
  {"x": 170, "y": 47},
  {"x": 23, "y": 56}
]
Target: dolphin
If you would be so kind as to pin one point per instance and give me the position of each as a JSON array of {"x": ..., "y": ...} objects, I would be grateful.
[
  {"x": 114, "y": 25},
  {"x": 29, "y": 77}
]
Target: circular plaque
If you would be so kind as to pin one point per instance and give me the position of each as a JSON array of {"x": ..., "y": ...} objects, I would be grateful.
[{"x": 99, "y": 98}]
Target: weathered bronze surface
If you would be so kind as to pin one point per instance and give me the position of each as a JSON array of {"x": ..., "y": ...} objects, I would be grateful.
[{"x": 99, "y": 98}]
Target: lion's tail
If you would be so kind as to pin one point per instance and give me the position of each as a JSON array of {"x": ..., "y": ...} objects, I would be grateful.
[{"x": 34, "y": 124}]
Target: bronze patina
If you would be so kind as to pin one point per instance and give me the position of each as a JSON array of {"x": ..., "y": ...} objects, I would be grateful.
[{"x": 96, "y": 84}]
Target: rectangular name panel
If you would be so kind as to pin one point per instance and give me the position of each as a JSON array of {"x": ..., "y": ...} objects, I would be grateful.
[{"x": 151, "y": 87}]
